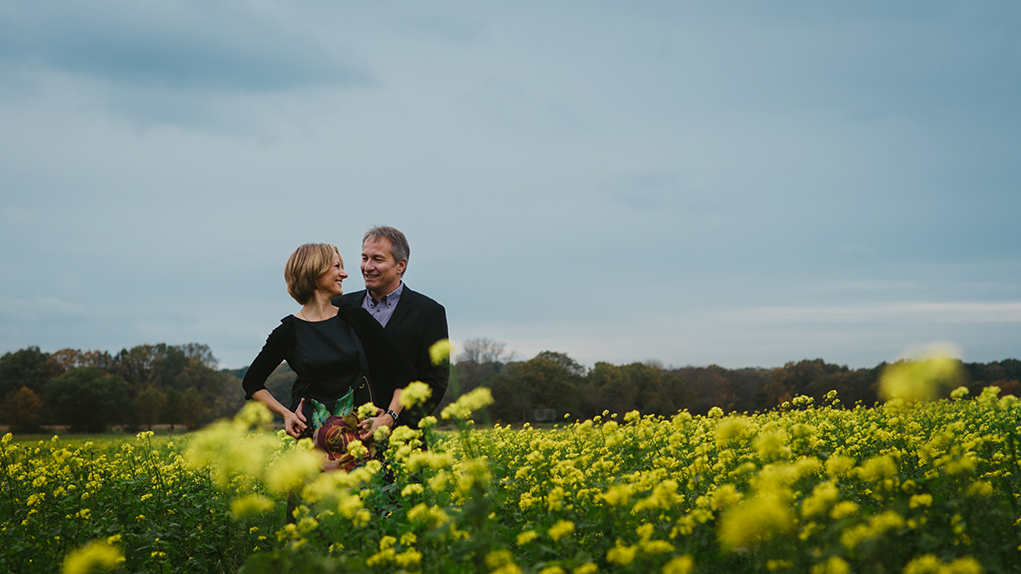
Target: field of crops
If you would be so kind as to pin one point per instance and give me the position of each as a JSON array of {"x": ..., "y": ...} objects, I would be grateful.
[{"x": 927, "y": 487}]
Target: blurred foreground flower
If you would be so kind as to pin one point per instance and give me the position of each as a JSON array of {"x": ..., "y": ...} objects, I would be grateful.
[
  {"x": 241, "y": 445},
  {"x": 440, "y": 351},
  {"x": 922, "y": 379},
  {"x": 415, "y": 393},
  {"x": 463, "y": 407},
  {"x": 754, "y": 521},
  {"x": 97, "y": 555}
]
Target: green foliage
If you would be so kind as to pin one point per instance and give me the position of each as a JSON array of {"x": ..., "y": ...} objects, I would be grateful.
[
  {"x": 88, "y": 399},
  {"x": 22, "y": 410},
  {"x": 137, "y": 496},
  {"x": 28, "y": 367}
]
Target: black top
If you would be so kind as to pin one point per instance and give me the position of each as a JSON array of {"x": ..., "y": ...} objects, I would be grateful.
[{"x": 328, "y": 357}]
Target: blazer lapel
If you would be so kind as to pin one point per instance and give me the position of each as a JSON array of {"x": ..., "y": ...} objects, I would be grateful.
[{"x": 403, "y": 305}]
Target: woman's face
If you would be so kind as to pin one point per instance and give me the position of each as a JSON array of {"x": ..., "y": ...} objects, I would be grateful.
[{"x": 330, "y": 281}]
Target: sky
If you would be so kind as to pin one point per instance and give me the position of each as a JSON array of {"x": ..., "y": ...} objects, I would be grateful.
[{"x": 694, "y": 183}]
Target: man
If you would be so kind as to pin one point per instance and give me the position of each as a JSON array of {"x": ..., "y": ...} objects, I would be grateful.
[{"x": 413, "y": 321}]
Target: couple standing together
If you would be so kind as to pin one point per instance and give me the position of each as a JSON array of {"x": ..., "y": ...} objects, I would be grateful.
[{"x": 351, "y": 349}]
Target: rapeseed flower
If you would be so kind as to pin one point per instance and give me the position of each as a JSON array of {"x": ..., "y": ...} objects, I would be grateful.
[
  {"x": 440, "y": 351},
  {"x": 96, "y": 555},
  {"x": 921, "y": 379},
  {"x": 415, "y": 393},
  {"x": 463, "y": 407},
  {"x": 755, "y": 520}
]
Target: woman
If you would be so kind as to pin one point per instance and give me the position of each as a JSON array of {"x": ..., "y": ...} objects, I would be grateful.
[{"x": 341, "y": 355}]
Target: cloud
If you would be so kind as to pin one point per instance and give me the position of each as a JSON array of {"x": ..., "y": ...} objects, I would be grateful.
[
  {"x": 208, "y": 46},
  {"x": 38, "y": 307},
  {"x": 953, "y": 312}
]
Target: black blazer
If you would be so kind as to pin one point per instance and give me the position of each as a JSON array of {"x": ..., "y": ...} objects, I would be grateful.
[{"x": 415, "y": 325}]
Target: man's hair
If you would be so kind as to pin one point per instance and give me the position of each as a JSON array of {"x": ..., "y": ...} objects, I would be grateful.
[
  {"x": 399, "y": 248},
  {"x": 305, "y": 266}
]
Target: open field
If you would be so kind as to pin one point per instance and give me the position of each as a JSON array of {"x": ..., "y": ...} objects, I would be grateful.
[{"x": 930, "y": 487}]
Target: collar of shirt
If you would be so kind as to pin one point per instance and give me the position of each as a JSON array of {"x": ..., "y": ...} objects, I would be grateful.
[
  {"x": 383, "y": 309},
  {"x": 388, "y": 300}
]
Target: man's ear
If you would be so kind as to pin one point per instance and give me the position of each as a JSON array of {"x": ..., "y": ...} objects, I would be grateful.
[{"x": 402, "y": 266}]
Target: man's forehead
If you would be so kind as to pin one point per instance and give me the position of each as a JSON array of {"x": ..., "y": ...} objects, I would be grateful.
[{"x": 380, "y": 244}]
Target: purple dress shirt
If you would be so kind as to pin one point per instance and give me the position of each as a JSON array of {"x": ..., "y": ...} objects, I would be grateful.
[{"x": 383, "y": 309}]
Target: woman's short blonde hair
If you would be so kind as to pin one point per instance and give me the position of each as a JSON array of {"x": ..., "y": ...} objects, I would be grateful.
[{"x": 305, "y": 266}]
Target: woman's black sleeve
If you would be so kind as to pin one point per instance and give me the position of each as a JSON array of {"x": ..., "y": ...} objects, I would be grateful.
[
  {"x": 273, "y": 352},
  {"x": 388, "y": 365}
]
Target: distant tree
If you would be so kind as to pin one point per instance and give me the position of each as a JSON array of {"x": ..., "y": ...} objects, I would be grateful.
[
  {"x": 149, "y": 404},
  {"x": 546, "y": 383},
  {"x": 482, "y": 351},
  {"x": 22, "y": 410},
  {"x": 232, "y": 396},
  {"x": 200, "y": 352},
  {"x": 28, "y": 367},
  {"x": 478, "y": 360},
  {"x": 67, "y": 359},
  {"x": 88, "y": 399},
  {"x": 138, "y": 365},
  {"x": 173, "y": 408},
  {"x": 609, "y": 388},
  {"x": 570, "y": 366},
  {"x": 194, "y": 411},
  {"x": 510, "y": 404},
  {"x": 645, "y": 387}
]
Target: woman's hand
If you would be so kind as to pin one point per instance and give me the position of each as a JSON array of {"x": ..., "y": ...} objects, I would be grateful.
[
  {"x": 293, "y": 425},
  {"x": 367, "y": 427},
  {"x": 295, "y": 422}
]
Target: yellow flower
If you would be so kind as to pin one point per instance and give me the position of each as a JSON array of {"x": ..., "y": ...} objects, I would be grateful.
[
  {"x": 440, "y": 351},
  {"x": 465, "y": 404},
  {"x": 412, "y": 489},
  {"x": 679, "y": 565},
  {"x": 843, "y": 509},
  {"x": 730, "y": 428},
  {"x": 835, "y": 565},
  {"x": 587, "y": 568},
  {"x": 502, "y": 562},
  {"x": 291, "y": 471},
  {"x": 823, "y": 496},
  {"x": 415, "y": 393},
  {"x": 621, "y": 554},
  {"x": 921, "y": 380},
  {"x": 618, "y": 494},
  {"x": 250, "y": 505},
  {"x": 755, "y": 520},
  {"x": 96, "y": 555},
  {"x": 526, "y": 537},
  {"x": 561, "y": 529},
  {"x": 920, "y": 500}
]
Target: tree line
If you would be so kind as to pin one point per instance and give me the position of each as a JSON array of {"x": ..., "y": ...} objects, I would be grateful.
[
  {"x": 552, "y": 383},
  {"x": 137, "y": 388},
  {"x": 181, "y": 385}
]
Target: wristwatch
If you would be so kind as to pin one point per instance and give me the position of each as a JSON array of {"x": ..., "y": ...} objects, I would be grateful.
[{"x": 392, "y": 415}]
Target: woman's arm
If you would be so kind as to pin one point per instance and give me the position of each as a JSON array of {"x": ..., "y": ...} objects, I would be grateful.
[
  {"x": 254, "y": 383},
  {"x": 294, "y": 423}
]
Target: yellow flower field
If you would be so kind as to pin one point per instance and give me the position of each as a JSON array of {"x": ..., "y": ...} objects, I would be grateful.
[{"x": 926, "y": 487}]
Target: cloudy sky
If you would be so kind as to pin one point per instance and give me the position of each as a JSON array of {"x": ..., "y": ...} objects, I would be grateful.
[{"x": 739, "y": 183}]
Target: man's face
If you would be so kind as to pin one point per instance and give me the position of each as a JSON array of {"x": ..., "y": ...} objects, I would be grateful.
[{"x": 381, "y": 273}]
